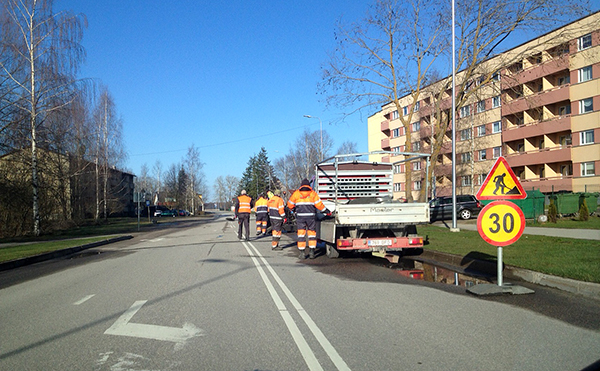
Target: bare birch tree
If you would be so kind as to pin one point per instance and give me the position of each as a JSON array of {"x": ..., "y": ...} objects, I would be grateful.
[
  {"x": 46, "y": 46},
  {"x": 109, "y": 150},
  {"x": 194, "y": 171}
]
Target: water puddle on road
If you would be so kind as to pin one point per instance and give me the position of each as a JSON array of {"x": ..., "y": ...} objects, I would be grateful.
[{"x": 436, "y": 273}]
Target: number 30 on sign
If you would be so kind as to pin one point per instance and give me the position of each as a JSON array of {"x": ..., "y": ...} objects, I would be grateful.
[{"x": 501, "y": 223}]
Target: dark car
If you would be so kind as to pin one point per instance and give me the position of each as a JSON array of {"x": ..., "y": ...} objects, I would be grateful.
[
  {"x": 467, "y": 206},
  {"x": 168, "y": 212}
]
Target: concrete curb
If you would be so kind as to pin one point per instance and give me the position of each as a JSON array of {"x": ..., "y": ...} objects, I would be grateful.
[
  {"x": 478, "y": 267},
  {"x": 588, "y": 289},
  {"x": 57, "y": 254}
]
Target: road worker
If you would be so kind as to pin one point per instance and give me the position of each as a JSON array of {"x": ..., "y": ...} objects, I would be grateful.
[
  {"x": 261, "y": 210},
  {"x": 243, "y": 208},
  {"x": 305, "y": 202},
  {"x": 277, "y": 217}
]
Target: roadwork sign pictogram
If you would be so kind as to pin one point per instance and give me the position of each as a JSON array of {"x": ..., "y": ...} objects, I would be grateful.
[{"x": 501, "y": 184}]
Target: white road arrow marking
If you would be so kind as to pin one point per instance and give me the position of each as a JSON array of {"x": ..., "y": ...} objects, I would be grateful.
[{"x": 122, "y": 327}]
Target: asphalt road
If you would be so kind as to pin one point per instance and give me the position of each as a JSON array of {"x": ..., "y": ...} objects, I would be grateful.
[{"x": 196, "y": 298}]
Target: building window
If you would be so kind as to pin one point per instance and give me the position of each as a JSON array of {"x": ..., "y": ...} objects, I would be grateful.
[
  {"x": 496, "y": 76},
  {"x": 564, "y": 80},
  {"x": 397, "y": 187},
  {"x": 465, "y": 157},
  {"x": 404, "y": 111},
  {"x": 480, "y": 178},
  {"x": 482, "y": 155},
  {"x": 480, "y": 106},
  {"x": 465, "y": 134},
  {"x": 416, "y": 165},
  {"x": 566, "y": 170},
  {"x": 564, "y": 110},
  {"x": 395, "y": 115},
  {"x": 466, "y": 180},
  {"x": 496, "y": 127},
  {"x": 396, "y": 169},
  {"x": 481, "y": 130},
  {"x": 587, "y": 169},
  {"x": 496, "y": 102},
  {"x": 584, "y": 42},
  {"x": 587, "y": 137},
  {"x": 585, "y": 74},
  {"x": 465, "y": 111},
  {"x": 417, "y": 185},
  {"x": 586, "y": 105},
  {"x": 497, "y": 152},
  {"x": 564, "y": 140},
  {"x": 396, "y": 149},
  {"x": 395, "y": 133},
  {"x": 416, "y": 126},
  {"x": 416, "y": 146},
  {"x": 417, "y": 106}
]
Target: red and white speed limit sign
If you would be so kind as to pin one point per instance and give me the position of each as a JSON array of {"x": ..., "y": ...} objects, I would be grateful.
[{"x": 501, "y": 223}]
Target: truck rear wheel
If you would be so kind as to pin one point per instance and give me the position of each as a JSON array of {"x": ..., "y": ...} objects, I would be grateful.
[{"x": 331, "y": 252}]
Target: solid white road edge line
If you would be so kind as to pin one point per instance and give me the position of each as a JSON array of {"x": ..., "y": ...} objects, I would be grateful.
[{"x": 325, "y": 344}]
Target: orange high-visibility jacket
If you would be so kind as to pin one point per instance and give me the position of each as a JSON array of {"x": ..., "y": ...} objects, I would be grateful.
[
  {"x": 306, "y": 202},
  {"x": 276, "y": 210},
  {"x": 261, "y": 206},
  {"x": 243, "y": 204}
]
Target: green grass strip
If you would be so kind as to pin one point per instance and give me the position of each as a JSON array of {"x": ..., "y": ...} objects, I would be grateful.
[
  {"x": 32, "y": 249},
  {"x": 563, "y": 257}
]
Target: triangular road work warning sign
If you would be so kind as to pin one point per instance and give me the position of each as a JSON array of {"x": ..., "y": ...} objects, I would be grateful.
[{"x": 501, "y": 184}]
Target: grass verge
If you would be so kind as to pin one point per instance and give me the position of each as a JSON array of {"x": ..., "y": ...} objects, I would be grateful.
[
  {"x": 31, "y": 249},
  {"x": 563, "y": 257},
  {"x": 76, "y": 236}
]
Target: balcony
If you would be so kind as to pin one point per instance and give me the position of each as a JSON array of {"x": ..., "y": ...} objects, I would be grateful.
[
  {"x": 425, "y": 131},
  {"x": 385, "y": 144},
  {"x": 539, "y": 157},
  {"x": 536, "y": 72},
  {"x": 385, "y": 126},
  {"x": 543, "y": 98},
  {"x": 445, "y": 169},
  {"x": 547, "y": 185},
  {"x": 538, "y": 128}
]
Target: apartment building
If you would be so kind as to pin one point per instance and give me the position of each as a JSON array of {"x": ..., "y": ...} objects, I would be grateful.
[{"x": 538, "y": 105}]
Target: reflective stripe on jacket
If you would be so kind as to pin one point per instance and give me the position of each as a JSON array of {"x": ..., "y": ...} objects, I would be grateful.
[
  {"x": 276, "y": 210},
  {"x": 261, "y": 206},
  {"x": 243, "y": 204},
  {"x": 306, "y": 202}
]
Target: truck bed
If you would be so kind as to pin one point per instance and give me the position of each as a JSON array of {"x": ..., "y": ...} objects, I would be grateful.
[{"x": 392, "y": 213}]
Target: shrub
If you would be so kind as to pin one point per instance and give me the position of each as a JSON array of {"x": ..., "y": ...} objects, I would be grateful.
[
  {"x": 584, "y": 213},
  {"x": 552, "y": 211}
]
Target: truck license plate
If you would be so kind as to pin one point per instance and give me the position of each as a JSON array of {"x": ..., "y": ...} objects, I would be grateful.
[{"x": 380, "y": 242}]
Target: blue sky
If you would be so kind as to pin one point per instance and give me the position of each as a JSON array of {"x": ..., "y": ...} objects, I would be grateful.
[{"x": 228, "y": 77}]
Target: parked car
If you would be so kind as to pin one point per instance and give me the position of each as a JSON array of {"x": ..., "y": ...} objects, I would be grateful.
[
  {"x": 183, "y": 213},
  {"x": 467, "y": 207},
  {"x": 158, "y": 212},
  {"x": 172, "y": 213}
]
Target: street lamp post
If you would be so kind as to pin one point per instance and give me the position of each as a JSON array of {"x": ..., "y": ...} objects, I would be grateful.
[{"x": 321, "y": 129}]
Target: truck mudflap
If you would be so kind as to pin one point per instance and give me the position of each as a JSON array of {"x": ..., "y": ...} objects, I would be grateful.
[{"x": 380, "y": 244}]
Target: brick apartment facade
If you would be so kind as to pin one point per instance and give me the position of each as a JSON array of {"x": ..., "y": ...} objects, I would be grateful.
[{"x": 539, "y": 108}]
